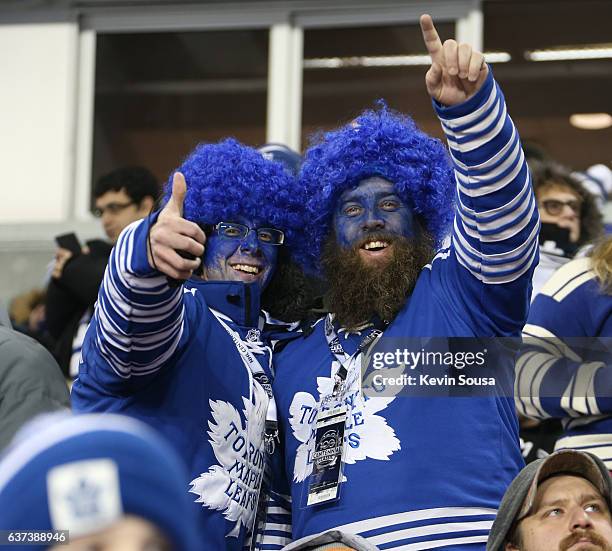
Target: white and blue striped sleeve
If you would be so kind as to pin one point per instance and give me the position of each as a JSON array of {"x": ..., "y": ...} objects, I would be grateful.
[
  {"x": 495, "y": 232},
  {"x": 138, "y": 319},
  {"x": 554, "y": 380},
  {"x": 276, "y": 533},
  {"x": 563, "y": 370},
  {"x": 496, "y": 224}
]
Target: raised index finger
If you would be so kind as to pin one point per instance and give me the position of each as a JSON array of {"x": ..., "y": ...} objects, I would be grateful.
[{"x": 431, "y": 38}]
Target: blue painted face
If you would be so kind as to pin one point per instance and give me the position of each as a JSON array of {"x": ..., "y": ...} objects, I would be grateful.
[
  {"x": 246, "y": 259},
  {"x": 370, "y": 216}
]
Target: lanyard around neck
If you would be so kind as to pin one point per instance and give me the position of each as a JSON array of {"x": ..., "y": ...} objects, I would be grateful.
[
  {"x": 253, "y": 365},
  {"x": 335, "y": 347}
]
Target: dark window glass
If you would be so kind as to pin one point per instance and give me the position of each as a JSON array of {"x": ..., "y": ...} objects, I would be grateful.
[
  {"x": 159, "y": 94},
  {"x": 542, "y": 95},
  {"x": 334, "y": 96}
]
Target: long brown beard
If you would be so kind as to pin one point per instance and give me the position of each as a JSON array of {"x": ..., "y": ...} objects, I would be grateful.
[{"x": 357, "y": 291}]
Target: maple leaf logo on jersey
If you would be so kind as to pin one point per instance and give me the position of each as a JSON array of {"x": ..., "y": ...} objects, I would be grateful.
[
  {"x": 367, "y": 435},
  {"x": 233, "y": 485}
]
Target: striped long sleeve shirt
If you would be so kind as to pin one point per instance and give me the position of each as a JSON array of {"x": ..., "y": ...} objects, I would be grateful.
[
  {"x": 565, "y": 366},
  {"x": 423, "y": 473},
  {"x": 170, "y": 356}
]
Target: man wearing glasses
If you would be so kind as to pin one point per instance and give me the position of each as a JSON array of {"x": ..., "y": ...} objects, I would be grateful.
[
  {"x": 178, "y": 338},
  {"x": 121, "y": 197},
  {"x": 569, "y": 215}
]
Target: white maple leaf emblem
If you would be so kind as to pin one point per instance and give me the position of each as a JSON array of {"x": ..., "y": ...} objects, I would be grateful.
[
  {"x": 233, "y": 485},
  {"x": 367, "y": 436}
]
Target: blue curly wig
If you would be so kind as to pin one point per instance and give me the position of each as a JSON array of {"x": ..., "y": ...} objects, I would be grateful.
[
  {"x": 378, "y": 143},
  {"x": 229, "y": 179}
]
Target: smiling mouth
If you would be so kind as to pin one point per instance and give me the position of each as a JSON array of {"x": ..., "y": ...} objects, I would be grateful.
[
  {"x": 375, "y": 246},
  {"x": 247, "y": 269}
]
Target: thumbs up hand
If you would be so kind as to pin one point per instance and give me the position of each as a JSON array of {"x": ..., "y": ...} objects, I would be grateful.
[
  {"x": 172, "y": 233},
  {"x": 457, "y": 71}
]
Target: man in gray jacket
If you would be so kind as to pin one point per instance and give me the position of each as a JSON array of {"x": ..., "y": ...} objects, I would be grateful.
[{"x": 31, "y": 382}]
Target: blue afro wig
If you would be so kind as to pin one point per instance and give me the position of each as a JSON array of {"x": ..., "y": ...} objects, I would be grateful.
[
  {"x": 229, "y": 179},
  {"x": 378, "y": 143}
]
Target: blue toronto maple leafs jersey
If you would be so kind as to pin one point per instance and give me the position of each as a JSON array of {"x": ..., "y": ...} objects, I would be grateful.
[
  {"x": 564, "y": 373},
  {"x": 421, "y": 472},
  {"x": 161, "y": 354}
]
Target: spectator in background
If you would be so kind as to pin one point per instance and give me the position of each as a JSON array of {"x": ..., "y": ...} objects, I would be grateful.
[
  {"x": 563, "y": 371},
  {"x": 569, "y": 214},
  {"x": 597, "y": 179},
  {"x": 282, "y": 154},
  {"x": 571, "y": 220},
  {"x": 121, "y": 197},
  {"x": 567, "y": 230},
  {"x": 124, "y": 196},
  {"x": 110, "y": 481},
  {"x": 558, "y": 503},
  {"x": 28, "y": 315},
  {"x": 30, "y": 383}
]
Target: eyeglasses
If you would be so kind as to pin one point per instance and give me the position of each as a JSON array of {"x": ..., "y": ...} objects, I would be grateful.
[
  {"x": 112, "y": 208},
  {"x": 269, "y": 236},
  {"x": 554, "y": 207}
]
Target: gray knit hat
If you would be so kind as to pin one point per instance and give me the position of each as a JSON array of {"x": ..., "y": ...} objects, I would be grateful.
[{"x": 520, "y": 496}]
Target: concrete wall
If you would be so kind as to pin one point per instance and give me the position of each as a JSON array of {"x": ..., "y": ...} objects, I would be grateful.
[
  {"x": 38, "y": 111},
  {"x": 37, "y": 121}
]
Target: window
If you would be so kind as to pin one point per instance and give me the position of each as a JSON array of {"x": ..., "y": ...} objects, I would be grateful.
[
  {"x": 333, "y": 96},
  {"x": 541, "y": 96},
  {"x": 158, "y": 94}
]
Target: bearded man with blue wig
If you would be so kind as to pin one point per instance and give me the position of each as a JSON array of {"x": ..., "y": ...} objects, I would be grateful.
[
  {"x": 179, "y": 339},
  {"x": 418, "y": 472}
]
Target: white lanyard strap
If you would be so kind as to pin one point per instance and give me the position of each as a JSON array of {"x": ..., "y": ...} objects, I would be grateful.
[
  {"x": 335, "y": 347},
  {"x": 253, "y": 365}
]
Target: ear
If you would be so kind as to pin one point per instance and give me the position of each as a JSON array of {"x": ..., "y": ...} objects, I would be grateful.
[
  {"x": 510, "y": 547},
  {"x": 146, "y": 204}
]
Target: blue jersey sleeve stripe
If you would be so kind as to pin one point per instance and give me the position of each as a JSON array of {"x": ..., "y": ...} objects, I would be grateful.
[
  {"x": 495, "y": 266},
  {"x": 476, "y": 185},
  {"x": 499, "y": 214},
  {"x": 492, "y": 127},
  {"x": 465, "y": 246},
  {"x": 500, "y": 228},
  {"x": 490, "y": 182},
  {"x": 496, "y": 223},
  {"x": 494, "y": 165},
  {"x": 470, "y": 137},
  {"x": 505, "y": 272},
  {"x": 139, "y": 317}
]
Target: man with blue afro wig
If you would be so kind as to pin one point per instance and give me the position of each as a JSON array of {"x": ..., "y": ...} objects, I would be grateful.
[
  {"x": 382, "y": 199},
  {"x": 387, "y": 145},
  {"x": 179, "y": 339}
]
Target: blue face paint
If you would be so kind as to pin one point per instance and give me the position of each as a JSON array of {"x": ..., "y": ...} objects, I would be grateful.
[
  {"x": 247, "y": 259},
  {"x": 372, "y": 207}
]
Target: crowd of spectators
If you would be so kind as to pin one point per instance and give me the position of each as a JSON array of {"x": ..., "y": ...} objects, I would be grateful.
[{"x": 235, "y": 262}]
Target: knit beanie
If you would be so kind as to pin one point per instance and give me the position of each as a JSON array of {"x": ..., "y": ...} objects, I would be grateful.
[{"x": 83, "y": 473}]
